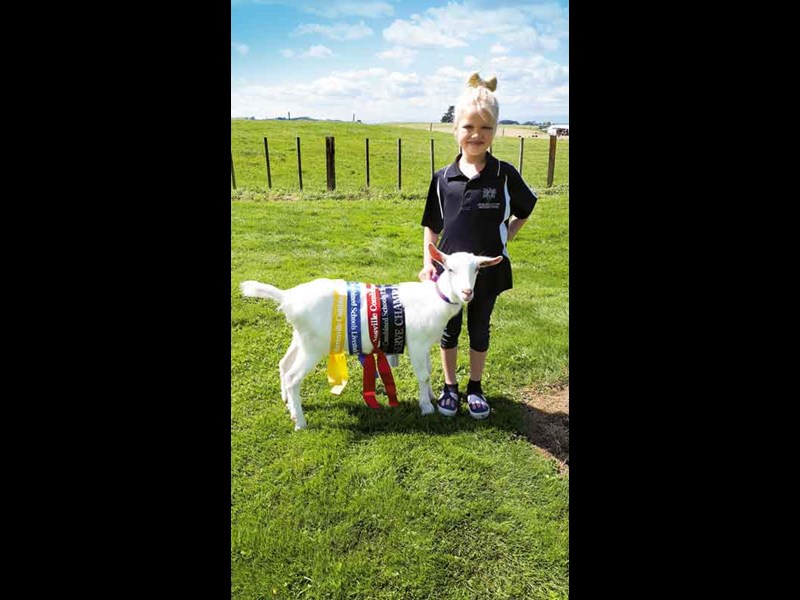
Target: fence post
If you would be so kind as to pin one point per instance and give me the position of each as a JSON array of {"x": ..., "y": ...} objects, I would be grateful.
[
  {"x": 233, "y": 175},
  {"x": 551, "y": 161},
  {"x": 367, "y": 155},
  {"x": 399, "y": 163},
  {"x": 299, "y": 165},
  {"x": 269, "y": 173},
  {"x": 431, "y": 157},
  {"x": 521, "y": 144},
  {"x": 330, "y": 161}
]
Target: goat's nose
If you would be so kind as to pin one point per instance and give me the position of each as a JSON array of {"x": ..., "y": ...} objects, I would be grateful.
[{"x": 467, "y": 292}]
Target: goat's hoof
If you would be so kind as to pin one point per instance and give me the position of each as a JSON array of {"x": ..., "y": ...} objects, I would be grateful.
[
  {"x": 298, "y": 427},
  {"x": 427, "y": 409}
]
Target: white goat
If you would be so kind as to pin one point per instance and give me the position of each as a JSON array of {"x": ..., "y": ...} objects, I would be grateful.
[{"x": 308, "y": 309}]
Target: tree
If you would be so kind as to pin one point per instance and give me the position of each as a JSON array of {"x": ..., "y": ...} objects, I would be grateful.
[{"x": 448, "y": 116}]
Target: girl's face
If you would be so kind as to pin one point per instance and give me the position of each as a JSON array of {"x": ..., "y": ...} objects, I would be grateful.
[{"x": 474, "y": 134}]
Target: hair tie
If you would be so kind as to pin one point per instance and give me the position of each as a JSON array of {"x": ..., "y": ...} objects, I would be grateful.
[{"x": 476, "y": 81}]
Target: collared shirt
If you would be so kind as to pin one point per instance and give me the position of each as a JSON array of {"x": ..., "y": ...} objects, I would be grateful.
[{"x": 472, "y": 214}]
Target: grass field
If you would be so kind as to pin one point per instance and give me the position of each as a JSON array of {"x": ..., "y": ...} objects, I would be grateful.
[
  {"x": 247, "y": 147},
  {"x": 390, "y": 504}
]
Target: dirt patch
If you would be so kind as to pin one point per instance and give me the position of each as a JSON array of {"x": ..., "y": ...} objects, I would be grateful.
[{"x": 547, "y": 423}]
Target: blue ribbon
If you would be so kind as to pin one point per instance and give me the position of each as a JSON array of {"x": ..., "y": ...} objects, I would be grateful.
[
  {"x": 354, "y": 317},
  {"x": 392, "y": 337},
  {"x": 393, "y": 334},
  {"x": 383, "y": 342}
]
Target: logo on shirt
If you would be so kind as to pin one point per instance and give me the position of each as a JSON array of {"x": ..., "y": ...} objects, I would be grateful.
[{"x": 489, "y": 194}]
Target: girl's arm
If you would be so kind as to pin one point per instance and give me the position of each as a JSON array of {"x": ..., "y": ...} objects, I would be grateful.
[
  {"x": 514, "y": 225},
  {"x": 428, "y": 270}
]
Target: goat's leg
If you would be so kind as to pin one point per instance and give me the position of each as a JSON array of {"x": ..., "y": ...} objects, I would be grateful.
[
  {"x": 431, "y": 394},
  {"x": 285, "y": 364},
  {"x": 420, "y": 362},
  {"x": 302, "y": 365}
]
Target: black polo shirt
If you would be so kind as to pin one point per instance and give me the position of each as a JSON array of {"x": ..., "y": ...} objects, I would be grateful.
[{"x": 472, "y": 214}]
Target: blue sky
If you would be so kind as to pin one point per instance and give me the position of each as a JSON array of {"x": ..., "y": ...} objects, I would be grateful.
[{"x": 393, "y": 60}]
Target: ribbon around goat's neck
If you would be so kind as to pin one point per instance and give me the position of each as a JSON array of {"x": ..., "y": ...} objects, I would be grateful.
[{"x": 435, "y": 279}]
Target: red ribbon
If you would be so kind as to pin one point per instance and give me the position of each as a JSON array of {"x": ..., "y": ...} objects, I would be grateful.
[{"x": 373, "y": 303}]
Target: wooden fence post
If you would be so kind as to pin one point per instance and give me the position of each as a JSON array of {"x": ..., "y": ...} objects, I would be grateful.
[
  {"x": 367, "y": 155},
  {"x": 399, "y": 163},
  {"x": 330, "y": 161},
  {"x": 521, "y": 144},
  {"x": 551, "y": 161},
  {"x": 299, "y": 165},
  {"x": 431, "y": 157},
  {"x": 269, "y": 173},
  {"x": 233, "y": 175}
]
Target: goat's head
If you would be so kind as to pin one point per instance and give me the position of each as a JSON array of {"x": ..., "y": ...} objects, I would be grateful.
[{"x": 461, "y": 269}]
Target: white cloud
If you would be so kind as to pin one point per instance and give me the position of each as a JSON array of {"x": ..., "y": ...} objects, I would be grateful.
[
  {"x": 512, "y": 43},
  {"x": 535, "y": 69},
  {"x": 535, "y": 83},
  {"x": 528, "y": 38},
  {"x": 337, "y": 31},
  {"x": 336, "y": 10},
  {"x": 374, "y": 94},
  {"x": 420, "y": 33},
  {"x": 381, "y": 95},
  {"x": 451, "y": 73},
  {"x": 318, "y": 51},
  {"x": 404, "y": 56},
  {"x": 453, "y": 26},
  {"x": 240, "y": 48}
]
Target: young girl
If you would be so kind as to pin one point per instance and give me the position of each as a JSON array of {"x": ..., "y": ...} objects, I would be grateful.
[{"x": 477, "y": 204}]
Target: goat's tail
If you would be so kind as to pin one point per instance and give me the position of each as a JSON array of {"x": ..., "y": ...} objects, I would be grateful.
[{"x": 256, "y": 289}]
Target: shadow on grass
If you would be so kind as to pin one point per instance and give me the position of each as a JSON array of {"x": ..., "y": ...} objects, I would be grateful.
[{"x": 549, "y": 431}]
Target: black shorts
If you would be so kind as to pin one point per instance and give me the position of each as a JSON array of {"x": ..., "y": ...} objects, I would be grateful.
[{"x": 479, "y": 311}]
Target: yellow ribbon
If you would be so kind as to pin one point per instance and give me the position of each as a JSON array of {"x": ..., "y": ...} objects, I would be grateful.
[{"x": 337, "y": 361}]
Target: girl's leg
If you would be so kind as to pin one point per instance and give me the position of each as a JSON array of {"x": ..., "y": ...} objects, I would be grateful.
[
  {"x": 449, "y": 360},
  {"x": 478, "y": 317},
  {"x": 447, "y": 404},
  {"x": 477, "y": 361}
]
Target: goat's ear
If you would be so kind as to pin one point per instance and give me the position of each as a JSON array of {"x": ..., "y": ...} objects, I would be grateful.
[
  {"x": 436, "y": 255},
  {"x": 488, "y": 262}
]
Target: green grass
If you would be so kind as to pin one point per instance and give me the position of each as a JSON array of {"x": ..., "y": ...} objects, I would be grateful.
[
  {"x": 391, "y": 504},
  {"x": 247, "y": 147}
]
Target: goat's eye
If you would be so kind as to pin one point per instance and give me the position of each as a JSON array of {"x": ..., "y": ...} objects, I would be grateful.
[{"x": 450, "y": 271}]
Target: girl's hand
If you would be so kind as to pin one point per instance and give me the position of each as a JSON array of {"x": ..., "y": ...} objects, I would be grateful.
[{"x": 427, "y": 272}]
